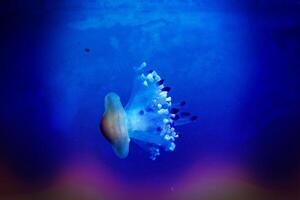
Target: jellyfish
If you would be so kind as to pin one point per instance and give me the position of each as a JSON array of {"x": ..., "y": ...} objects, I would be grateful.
[{"x": 149, "y": 118}]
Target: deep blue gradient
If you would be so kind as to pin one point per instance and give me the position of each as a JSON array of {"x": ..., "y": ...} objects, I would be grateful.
[{"x": 236, "y": 64}]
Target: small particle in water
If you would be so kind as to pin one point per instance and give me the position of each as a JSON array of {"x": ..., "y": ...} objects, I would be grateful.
[
  {"x": 166, "y": 89},
  {"x": 160, "y": 82},
  {"x": 185, "y": 114},
  {"x": 174, "y": 110},
  {"x": 159, "y": 129},
  {"x": 141, "y": 112},
  {"x": 149, "y": 109},
  {"x": 87, "y": 50},
  {"x": 194, "y": 118},
  {"x": 182, "y": 103}
]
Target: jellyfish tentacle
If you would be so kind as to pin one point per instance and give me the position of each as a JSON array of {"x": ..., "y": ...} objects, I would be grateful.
[
  {"x": 149, "y": 112},
  {"x": 153, "y": 138},
  {"x": 185, "y": 120},
  {"x": 151, "y": 148}
]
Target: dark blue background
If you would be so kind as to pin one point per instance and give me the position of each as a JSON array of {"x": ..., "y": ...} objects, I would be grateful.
[{"x": 236, "y": 63}]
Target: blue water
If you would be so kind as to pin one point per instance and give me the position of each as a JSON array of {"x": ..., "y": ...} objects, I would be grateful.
[{"x": 236, "y": 65}]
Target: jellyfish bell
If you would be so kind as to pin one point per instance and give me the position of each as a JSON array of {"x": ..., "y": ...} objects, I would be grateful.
[
  {"x": 149, "y": 118},
  {"x": 113, "y": 125}
]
